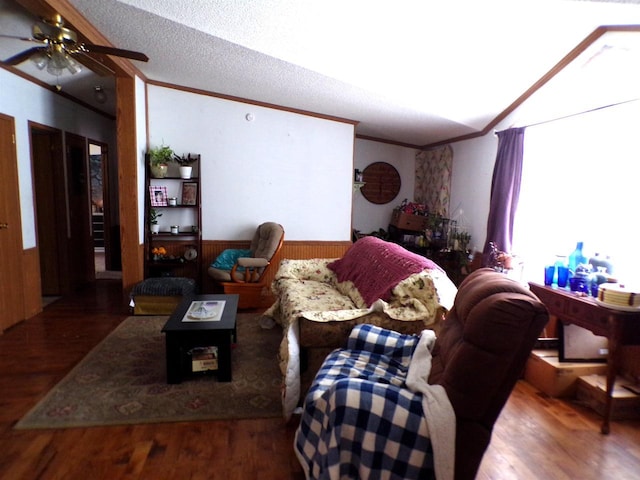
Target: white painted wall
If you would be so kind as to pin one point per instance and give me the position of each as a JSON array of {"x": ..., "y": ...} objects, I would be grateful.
[
  {"x": 367, "y": 216},
  {"x": 26, "y": 101},
  {"x": 292, "y": 168},
  {"x": 281, "y": 166},
  {"x": 473, "y": 162}
]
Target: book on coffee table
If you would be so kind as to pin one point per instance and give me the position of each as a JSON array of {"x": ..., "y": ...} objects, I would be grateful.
[{"x": 204, "y": 311}]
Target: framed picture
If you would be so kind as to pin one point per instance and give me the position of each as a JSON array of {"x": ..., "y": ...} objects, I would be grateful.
[
  {"x": 577, "y": 344},
  {"x": 158, "y": 195},
  {"x": 189, "y": 193}
]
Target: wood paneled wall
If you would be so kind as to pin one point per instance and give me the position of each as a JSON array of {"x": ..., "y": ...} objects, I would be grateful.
[{"x": 290, "y": 249}]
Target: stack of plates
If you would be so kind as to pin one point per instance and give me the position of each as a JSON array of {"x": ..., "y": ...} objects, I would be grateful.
[{"x": 617, "y": 295}]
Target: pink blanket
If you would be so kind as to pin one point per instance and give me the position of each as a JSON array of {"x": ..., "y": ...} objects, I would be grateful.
[{"x": 375, "y": 267}]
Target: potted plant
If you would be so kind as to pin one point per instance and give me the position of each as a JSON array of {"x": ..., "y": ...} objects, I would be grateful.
[
  {"x": 153, "y": 220},
  {"x": 159, "y": 159},
  {"x": 185, "y": 164}
]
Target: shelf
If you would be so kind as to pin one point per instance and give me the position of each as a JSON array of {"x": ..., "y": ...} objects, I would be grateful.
[
  {"x": 192, "y": 179},
  {"x": 173, "y": 235},
  {"x": 175, "y": 206},
  {"x": 176, "y": 245},
  {"x": 168, "y": 263}
]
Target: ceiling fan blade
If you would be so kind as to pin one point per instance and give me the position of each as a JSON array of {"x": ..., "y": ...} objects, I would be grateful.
[
  {"x": 93, "y": 64},
  {"x": 117, "y": 52},
  {"x": 21, "y": 57},
  {"x": 15, "y": 37}
]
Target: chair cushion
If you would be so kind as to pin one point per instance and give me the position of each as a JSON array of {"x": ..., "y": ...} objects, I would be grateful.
[
  {"x": 266, "y": 240},
  {"x": 228, "y": 258}
]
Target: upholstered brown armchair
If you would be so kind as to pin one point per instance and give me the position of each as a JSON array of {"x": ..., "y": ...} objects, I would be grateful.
[
  {"x": 243, "y": 271},
  {"x": 362, "y": 417}
]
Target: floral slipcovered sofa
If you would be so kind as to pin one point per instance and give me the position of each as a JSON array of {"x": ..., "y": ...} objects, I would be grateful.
[{"x": 319, "y": 301}]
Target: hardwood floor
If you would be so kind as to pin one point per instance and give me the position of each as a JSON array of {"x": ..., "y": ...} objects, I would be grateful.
[{"x": 536, "y": 437}]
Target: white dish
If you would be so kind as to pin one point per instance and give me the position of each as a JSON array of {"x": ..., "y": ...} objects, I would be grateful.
[
  {"x": 201, "y": 313},
  {"x": 622, "y": 308}
]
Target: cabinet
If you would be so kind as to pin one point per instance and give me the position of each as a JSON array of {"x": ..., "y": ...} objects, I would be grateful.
[{"x": 174, "y": 202}]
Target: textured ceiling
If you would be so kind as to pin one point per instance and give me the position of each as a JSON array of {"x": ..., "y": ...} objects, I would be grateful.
[{"x": 413, "y": 72}]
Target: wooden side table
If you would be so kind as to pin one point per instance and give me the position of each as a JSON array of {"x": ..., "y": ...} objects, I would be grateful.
[{"x": 620, "y": 327}]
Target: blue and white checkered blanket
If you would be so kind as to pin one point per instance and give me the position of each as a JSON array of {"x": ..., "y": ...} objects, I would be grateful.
[{"x": 360, "y": 420}]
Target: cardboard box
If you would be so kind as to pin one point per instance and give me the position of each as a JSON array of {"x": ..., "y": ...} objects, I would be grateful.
[
  {"x": 592, "y": 392},
  {"x": 204, "y": 359},
  {"x": 557, "y": 379},
  {"x": 406, "y": 221}
]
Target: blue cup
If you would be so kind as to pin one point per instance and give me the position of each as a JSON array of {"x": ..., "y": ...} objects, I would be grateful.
[
  {"x": 563, "y": 276},
  {"x": 549, "y": 273}
]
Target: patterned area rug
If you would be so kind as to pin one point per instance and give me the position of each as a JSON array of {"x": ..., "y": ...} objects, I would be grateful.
[{"x": 123, "y": 381}]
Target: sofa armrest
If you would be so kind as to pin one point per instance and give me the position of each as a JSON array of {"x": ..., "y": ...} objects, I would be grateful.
[{"x": 381, "y": 341}]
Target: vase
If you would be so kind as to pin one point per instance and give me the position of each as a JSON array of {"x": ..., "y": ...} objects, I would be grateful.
[
  {"x": 159, "y": 171},
  {"x": 155, "y": 228},
  {"x": 185, "y": 172}
]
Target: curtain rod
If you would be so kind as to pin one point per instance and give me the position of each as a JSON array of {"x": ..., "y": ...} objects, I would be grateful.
[{"x": 495, "y": 132}]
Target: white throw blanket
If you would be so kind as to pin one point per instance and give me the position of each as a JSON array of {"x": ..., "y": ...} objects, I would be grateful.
[{"x": 441, "y": 419}]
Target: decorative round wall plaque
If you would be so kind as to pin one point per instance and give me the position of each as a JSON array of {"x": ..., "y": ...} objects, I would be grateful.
[{"x": 381, "y": 183}]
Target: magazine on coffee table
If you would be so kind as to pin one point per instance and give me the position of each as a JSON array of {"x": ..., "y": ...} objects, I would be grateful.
[{"x": 204, "y": 311}]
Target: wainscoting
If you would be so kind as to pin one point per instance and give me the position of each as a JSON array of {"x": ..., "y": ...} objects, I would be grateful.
[{"x": 292, "y": 249}]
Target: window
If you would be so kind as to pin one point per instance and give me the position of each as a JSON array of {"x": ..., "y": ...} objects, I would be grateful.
[{"x": 581, "y": 182}]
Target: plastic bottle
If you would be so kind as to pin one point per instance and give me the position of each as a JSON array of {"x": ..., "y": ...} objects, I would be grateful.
[{"x": 576, "y": 258}]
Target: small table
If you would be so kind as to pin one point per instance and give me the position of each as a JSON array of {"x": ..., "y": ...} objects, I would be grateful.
[
  {"x": 181, "y": 337},
  {"x": 620, "y": 328}
]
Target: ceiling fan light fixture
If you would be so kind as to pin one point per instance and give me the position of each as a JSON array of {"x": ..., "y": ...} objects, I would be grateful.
[
  {"x": 99, "y": 94},
  {"x": 57, "y": 60},
  {"x": 40, "y": 60},
  {"x": 73, "y": 66}
]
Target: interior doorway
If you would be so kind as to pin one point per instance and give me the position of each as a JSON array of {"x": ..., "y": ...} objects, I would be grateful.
[
  {"x": 105, "y": 247},
  {"x": 50, "y": 208}
]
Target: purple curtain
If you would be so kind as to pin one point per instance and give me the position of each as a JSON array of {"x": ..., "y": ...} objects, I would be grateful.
[{"x": 505, "y": 190}]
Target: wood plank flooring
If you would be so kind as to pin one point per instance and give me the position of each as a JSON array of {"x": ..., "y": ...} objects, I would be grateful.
[{"x": 536, "y": 437}]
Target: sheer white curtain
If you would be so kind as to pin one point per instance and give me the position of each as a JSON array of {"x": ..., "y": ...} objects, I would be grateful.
[{"x": 581, "y": 182}]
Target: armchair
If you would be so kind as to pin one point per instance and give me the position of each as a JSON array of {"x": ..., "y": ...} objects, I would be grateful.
[
  {"x": 243, "y": 271},
  {"x": 364, "y": 417}
]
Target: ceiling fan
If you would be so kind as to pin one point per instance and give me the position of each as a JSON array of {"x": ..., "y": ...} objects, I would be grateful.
[{"x": 61, "y": 50}]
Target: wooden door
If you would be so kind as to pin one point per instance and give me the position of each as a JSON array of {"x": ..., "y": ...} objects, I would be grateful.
[
  {"x": 81, "y": 255},
  {"x": 50, "y": 206},
  {"x": 11, "y": 286}
]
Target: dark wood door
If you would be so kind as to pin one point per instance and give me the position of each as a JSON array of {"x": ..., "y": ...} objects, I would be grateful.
[
  {"x": 11, "y": 296},
  {"x": 50, "y": 206},
  {"x": 81, "y": 256}
]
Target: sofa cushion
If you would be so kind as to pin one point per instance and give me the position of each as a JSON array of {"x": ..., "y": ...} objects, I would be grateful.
[{"x": 375, "y": 267}]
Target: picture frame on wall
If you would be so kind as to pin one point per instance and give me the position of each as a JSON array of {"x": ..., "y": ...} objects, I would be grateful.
[
  {"x": 158, "y": 195},
  {"x": 189, "y": 193}
]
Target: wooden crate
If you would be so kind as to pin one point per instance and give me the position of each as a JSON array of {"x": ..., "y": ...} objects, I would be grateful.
[{"x": 405, "y": 221}]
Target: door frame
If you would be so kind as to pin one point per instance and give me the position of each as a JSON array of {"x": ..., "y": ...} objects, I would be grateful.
[
  {"x": 111, "y": 244},
  {"x": 81, "y": 252}
]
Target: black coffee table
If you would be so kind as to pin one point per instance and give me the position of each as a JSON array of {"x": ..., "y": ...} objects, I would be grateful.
[{"x": 181, "y": 337}]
